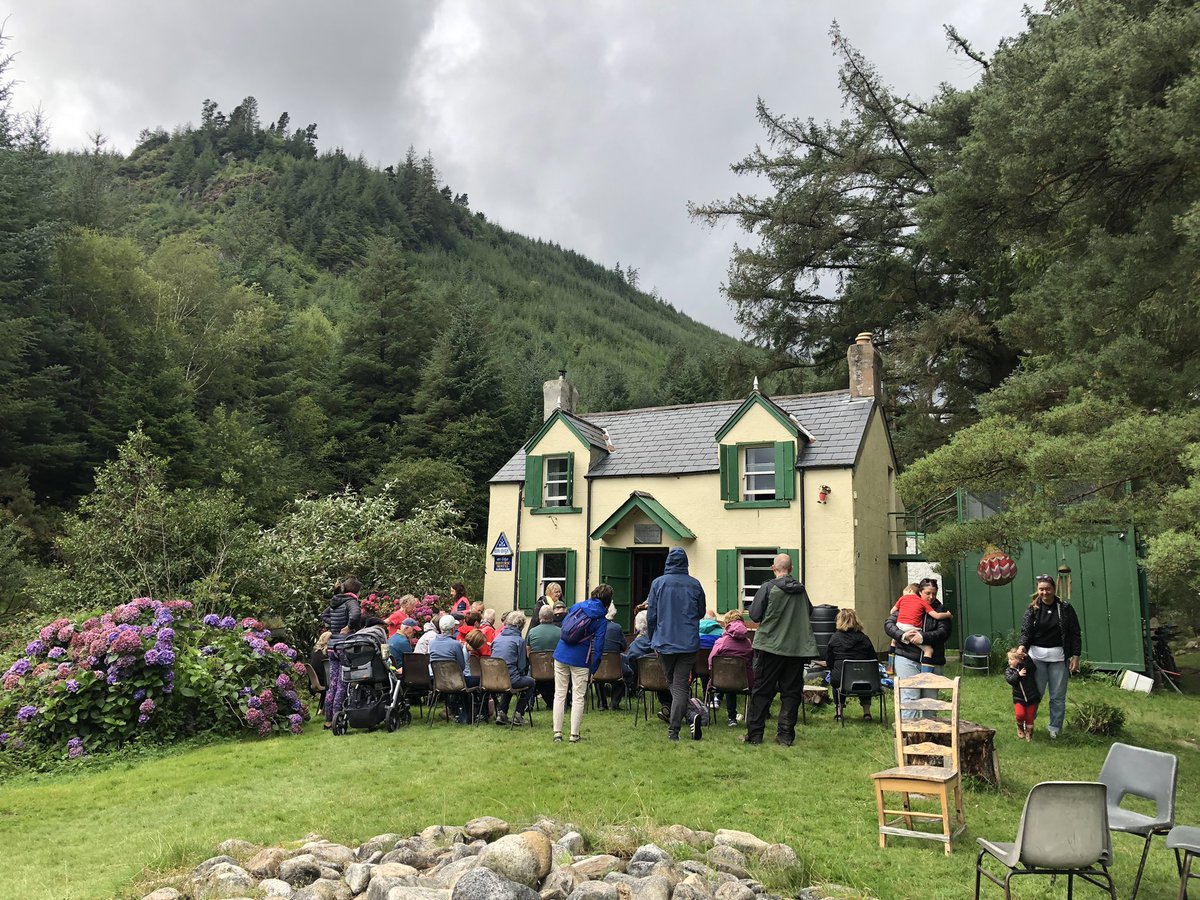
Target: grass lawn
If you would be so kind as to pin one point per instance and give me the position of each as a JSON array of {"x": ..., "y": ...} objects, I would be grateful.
[{"x": 107, "y": 829}]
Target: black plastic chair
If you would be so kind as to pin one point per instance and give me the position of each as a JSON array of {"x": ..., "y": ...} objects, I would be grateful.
[
  {"x": 860, "y": 678},
  {"x": 416, "y": 680}
]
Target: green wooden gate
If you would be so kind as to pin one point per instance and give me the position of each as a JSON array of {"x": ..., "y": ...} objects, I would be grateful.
[{"x": 1105, "y": 590}]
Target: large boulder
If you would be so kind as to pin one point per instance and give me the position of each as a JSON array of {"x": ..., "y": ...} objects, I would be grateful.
[
  {"x": 415, "y": 853},
  {"x": 734, "y": 890},
  {"x": 236, "y": 847},
  {"x": 323, "y": 889},
  {"x": 300, "y": 871},
  {"x": 727, "y": 859},
  {"x": 593, "y": 868},
  {"x": 265, "y": 863},
  {"x": 223, "y": 880},
  {"x": 381, "y": 843},
  {"x": 273, "y": 888},
  {"x": 205, "y": 867},
  {"x": 559, "y": 884},
  {"x": 524, "y": 858},
  {"x": 484, "y": 884},
  {"x": 594, "y": 890},
  {"x": 441, "y": 835},
  {"x": 446, "y": 876},
  {"x": 486, "y": 828},
  {"x": 742, "y": 841},
  {"x": 335, "y": 856},
  {"x": 780, "y": 856}
]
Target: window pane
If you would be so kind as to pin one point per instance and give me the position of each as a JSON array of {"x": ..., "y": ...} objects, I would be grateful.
[
  {"x": 554, "y": 567},
  {"x": 555, "y": 492},
  {"x": 760, "y": 473},
  {"x": 756, "y": 571}
]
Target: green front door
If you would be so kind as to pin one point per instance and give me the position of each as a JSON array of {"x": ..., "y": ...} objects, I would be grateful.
[{"x": 615, "y": 571}]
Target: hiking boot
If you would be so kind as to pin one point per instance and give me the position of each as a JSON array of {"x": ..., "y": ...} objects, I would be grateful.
[
  {"x": 697, "y": 730},
  {"x": 518, "y": 720},
  {"x": 501, "y": 719},
  {"x": 664, "y": 714},
  {"x": 783, "y": 741}
]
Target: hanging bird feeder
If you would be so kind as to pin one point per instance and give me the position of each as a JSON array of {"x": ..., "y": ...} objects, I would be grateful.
[{"x": 997, "y": 568}]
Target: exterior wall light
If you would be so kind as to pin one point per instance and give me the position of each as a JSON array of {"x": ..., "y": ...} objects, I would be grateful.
[{"x": 823, "y": 494}]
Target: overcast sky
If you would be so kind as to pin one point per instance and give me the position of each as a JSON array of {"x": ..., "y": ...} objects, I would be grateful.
[{"x": 592, "y": 124}]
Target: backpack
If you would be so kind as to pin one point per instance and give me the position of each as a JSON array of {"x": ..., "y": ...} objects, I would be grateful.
[
  {"x": 578, "y": 627},
  {"x": 696, "y": 709}
]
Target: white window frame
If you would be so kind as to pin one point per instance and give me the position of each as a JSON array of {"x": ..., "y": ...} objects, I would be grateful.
[
  {"x": 756, "y": 478},
  {"x": 756, "y": 561},
  {"x": 559, "y": 482},
  {"x": 544, "y": 579}
]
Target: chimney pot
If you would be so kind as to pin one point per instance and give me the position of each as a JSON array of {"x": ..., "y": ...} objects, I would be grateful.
[
  {"x": 866, "y": 368},
  {"x": 558, "y": 393}
]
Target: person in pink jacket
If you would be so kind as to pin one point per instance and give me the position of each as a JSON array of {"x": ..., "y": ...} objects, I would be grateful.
[{"x": 734, "y": 642}]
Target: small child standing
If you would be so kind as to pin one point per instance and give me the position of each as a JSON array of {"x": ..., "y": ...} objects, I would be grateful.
[
  {"x": 910, "y": 611},
  {"x": 1022, "y": 675}
]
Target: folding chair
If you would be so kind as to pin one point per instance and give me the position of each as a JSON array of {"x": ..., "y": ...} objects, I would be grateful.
[
  {"x": 651, "y": 677},
  {"x": 728, "y": 677},
  {"x": 496, "y": 680},
  {"x": 859, "y": 678},
  {"x": 609, "y": 672},
  {"x": 315, "y": 685},
  {"x": 1064, "y": 830},
  {"x": 416, "y": 679},
  {"x": 942, "y": 781},
  {"x": 1143, "y": 773},
  {"x": 448, "y": 681}
]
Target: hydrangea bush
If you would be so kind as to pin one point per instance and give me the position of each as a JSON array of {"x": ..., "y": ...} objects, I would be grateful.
[{"x": 147, "y": 669}]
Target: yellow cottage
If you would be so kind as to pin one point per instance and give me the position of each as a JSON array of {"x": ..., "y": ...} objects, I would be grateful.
[{"x": 602, "y": 498}]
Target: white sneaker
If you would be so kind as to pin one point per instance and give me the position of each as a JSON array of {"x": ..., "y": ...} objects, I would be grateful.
[{"x": 1053, "y": 732}]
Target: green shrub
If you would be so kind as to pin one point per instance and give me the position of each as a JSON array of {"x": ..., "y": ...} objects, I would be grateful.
[{"x": 1097, "y": 717}]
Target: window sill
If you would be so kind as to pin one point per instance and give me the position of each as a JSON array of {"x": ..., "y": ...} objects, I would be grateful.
[
  {"x": 554, "y": 510},
  {"x": 758, "y": 504}
]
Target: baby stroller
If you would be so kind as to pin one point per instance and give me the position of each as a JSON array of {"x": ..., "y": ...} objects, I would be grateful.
[{"x": 373, "y": 694}]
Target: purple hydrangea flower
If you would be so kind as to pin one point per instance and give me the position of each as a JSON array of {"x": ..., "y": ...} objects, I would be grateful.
[
  {"x": 164, "y": 618},
  {"x": 35, "y": 648},
  {"x": 75, "y": 748},
  {"x": 254, "y": 703},
  {"x": 4, "y": 736},
  {"x": 296, "y": 724},
  {"x": 166, "y": 635},
  {"x": 139, "y": 695},
  {"x": 72, "y": 685},
  {"x": 228, "y": 623},
  {"x": 212, "y": 620},
  {"x": 210, "y": 650},
  {"x": 151, "y": 657},
  {"x": 25, "y": 713},
  {"x": 112, "y": 678},
  {"x": 56, "y": 653},
  {"x": 166, "y": 657},
  {"x": 21, "y": 667},
  {"x": 142, "y": 720}
]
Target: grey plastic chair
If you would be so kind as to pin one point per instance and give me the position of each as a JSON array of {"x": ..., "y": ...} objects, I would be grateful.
[
  {"x": 1064, "y": 830},
  {"x": 1143, "y": 773}
]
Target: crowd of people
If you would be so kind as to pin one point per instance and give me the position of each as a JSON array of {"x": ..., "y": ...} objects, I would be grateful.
[{"x": 675, "y": 626}]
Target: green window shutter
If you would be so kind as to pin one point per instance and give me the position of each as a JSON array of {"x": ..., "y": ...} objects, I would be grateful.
[
  {"x": 527, "y": 586},
  {"x": 785, "y": 470},
  {"x": 570, "y": 589},
  {"x": 533, "y": 481},
  {"x": 727, "y": 581},
  {"x": 570, "y": 479},
  {"x": 729, "y": 472},
  {"x": 615, "y": 571}
]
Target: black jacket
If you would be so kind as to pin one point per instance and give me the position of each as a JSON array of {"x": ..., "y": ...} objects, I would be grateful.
[
  {"x": 845, "y": 645},
  {"x": 936, "y": 632},
  {"x": 1068, "y": 622},
  {"x": 1024, "y": 687},
  {"x": 343, "y": 612}
]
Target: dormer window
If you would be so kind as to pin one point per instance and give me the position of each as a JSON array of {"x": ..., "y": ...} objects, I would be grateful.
[
  {"x": 758, "y": 482},
  {"x": 557, "y": 491}
]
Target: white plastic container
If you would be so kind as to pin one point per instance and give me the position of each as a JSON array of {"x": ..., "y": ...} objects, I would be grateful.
[{"x": 1132, "y": 681}]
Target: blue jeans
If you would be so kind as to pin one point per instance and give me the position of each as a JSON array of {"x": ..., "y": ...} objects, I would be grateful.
[
  {"x": 906, "y": 668},
  {"x": 1054, "y": 675}
]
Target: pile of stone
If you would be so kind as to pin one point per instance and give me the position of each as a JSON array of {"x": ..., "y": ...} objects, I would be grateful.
[{"x": 485, "y": 860}]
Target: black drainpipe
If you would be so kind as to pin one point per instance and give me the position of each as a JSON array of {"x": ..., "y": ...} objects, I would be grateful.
[
  {"x": 803, "y": 532},
  {"x": 587, "y": 537},
  {"x": 517, "y": 548}
]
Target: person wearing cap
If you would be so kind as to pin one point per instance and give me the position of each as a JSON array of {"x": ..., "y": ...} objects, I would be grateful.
[
  {"x": 446, "y": 646},
  {"x": 560, "y": 611},
  {"x": 400, "y": 643}
]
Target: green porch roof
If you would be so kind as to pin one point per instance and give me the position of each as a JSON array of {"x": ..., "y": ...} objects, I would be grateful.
[{"x": 655, "y": 511}]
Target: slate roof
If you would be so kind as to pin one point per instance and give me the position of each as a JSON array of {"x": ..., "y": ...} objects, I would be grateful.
[{"x": 677, "y": 440}]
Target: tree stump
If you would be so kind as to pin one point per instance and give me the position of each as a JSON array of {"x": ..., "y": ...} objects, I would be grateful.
[
  {"x": 976, "y": 751},
  {"x": 815, "y": 694}
]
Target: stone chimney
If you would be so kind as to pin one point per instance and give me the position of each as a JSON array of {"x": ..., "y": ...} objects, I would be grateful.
[
  {"x": 559, "y": 394},
  {"x": 866, "y": 368}
]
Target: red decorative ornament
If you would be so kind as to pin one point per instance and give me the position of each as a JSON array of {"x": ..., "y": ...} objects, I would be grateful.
[{"x": 997, "y": 568}]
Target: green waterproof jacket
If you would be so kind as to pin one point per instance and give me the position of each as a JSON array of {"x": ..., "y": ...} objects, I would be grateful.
[{"x": 784, "y": 613}]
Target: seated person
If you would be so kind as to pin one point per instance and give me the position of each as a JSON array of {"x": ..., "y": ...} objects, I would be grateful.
[
  {"x": 509, "y": 647},
  {"x": 711, "y": 628},
  {"x": 428, "y": 632},
  {"x": 560, "y": 611},
  {"x": 541, "y": 638},
  {"x": 488, "y": 625},
  {"x": 614, "y": 642},
  {"x": 400, "y": 644},
  {"x": 446, "y": 646},
  {"x": 734, "y": 642},
  {"x": 469, "y": 623},
  {"x": 848, "y": 642},
  {"x": 639, "y": 647}
]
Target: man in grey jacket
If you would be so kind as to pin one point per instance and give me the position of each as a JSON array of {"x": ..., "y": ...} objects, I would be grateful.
[
  {"x": 783, "y": 643},
  {"x": 674, "y": 609}
]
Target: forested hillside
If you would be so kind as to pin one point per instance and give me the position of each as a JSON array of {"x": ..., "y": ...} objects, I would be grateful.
[{"x": 284, "y": 321}]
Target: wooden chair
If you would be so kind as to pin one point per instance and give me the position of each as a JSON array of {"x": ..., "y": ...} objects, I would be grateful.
[
  {"x": 609, "y": 672},
  {"x": 914, "y": 772},
  {"x": 650, "y": 677},
  {"x": 541, "y": 667},
  {"x": 495, "y": 680}
]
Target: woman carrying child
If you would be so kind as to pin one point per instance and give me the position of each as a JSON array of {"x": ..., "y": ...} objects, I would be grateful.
[
  {"x": 1022, "y": 675},
  {"x": 910, "y": 659},
  {"x": 910, "y": 611}
]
